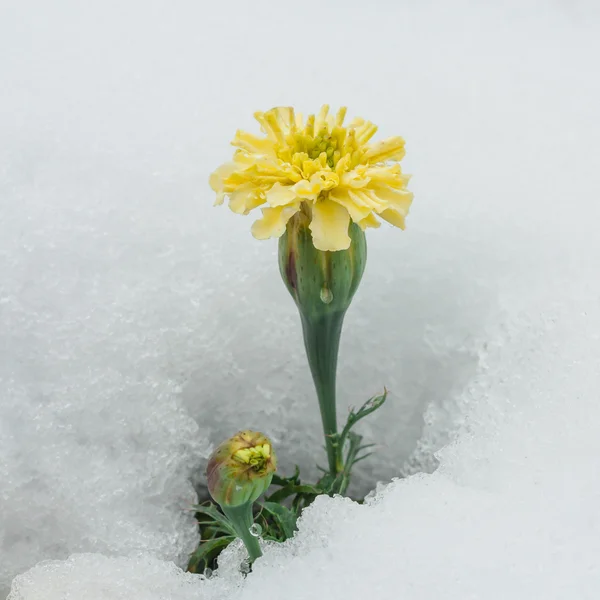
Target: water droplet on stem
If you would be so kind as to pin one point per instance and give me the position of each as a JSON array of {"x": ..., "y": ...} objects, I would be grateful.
[{"x": 326, "y": 295}]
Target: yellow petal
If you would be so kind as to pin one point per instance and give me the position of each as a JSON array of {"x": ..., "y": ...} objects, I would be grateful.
[
  {"x": 286, "y": 118},
  {"x": 244, "y": 198},
  {"x": 390, "y": 175},
  {"x": 309, "y": 127},
  {"x": 365, "y": 132},
  {"x": 321, "y": 118},
  {"x": 394, "y": 217},
  {"x": 357, "y": 211},
  {"x": 390, "y": 149},
  {"x": 277, "y": 122},
  {"x": 329, "y": 226},
  {"x": 309, "y": 189},
  {"x": 369, "y": 221},
  {"x": 217, "y": 180},
  {"x": 352, "y": 179},
  {"x": 255, "y": 199},
  {"x": 280, "y": 195},
  {"x": 365, "y": 197},
  {"x": 399, "y": 200},
  {"x": 273, "y": 221},
  {"x": 252, "y": 143},
  {"x": 341, "y": 115},
  {"x": 328, "y": 179}
]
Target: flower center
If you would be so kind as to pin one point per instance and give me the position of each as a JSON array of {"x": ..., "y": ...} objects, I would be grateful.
[
  {"x": 325, "y": 144},
  {"x": 327, "y": 147},
  {"x": 255, "y": 457}
]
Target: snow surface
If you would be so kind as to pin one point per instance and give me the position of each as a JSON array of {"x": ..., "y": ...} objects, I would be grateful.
[
  {"x": 512, "y": 511},
  {"x": 138, "y": 324}
]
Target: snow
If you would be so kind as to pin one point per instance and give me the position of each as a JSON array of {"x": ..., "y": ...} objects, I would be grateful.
[
  {"x": 138, "y": 325},
  {"x": 512, "y": 511},
  {"x": 102, "y": 577}
]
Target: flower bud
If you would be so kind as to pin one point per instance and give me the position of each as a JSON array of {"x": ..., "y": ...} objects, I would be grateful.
[
  {"x": 321, "y": 282},
  {"x": 241, "y": 469}
]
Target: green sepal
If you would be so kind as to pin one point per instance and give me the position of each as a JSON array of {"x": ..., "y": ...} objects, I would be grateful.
[{"x": 320, "y": 282}]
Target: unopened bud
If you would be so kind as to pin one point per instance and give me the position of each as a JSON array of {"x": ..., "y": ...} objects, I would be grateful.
[{"x": 241, "y": 469}]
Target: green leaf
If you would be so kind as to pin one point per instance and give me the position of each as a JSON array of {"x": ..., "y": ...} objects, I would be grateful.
[
  {"x": 284, "y": 481},
  {"x": 206, "y": 553},
  {"x": 284, "y": 517},
  {"x": 290, "y": 490},
  {"x": 327, "y": 483},
  {"x": 210, "y": 532},
  {"x": 362, "y": 458},
  {"x": 216, "y": 518},
  {"x": 371, "y": 405}
]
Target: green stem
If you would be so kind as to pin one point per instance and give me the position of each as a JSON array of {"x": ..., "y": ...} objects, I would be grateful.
[
  {"x": 242, "y": 519},
  {"x": 353, "y": 449},
  {"x": 322, "y": 340}
]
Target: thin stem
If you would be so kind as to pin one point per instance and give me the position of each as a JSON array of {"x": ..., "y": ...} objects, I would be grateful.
[
  {"x": 322, "y": 340},
  {"x": 242, "y": 520},
  {"x": 350, "y": 460}
]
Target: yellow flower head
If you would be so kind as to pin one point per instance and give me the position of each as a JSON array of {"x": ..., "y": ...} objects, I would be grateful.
[{"x": 319, "y": 166}]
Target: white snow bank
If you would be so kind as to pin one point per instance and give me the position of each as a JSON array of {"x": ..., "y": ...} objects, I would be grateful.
[
  {"x": 92, "y": 576},
  {"x": 512, "y": 512}
]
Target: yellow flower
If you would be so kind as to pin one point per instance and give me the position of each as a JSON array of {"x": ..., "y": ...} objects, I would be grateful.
[{"x": 320, "y": 167}]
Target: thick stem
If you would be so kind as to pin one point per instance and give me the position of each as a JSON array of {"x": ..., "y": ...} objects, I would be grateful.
[
  {"x": 322, "y": 340},
  {"x": 242, "y": 520}
]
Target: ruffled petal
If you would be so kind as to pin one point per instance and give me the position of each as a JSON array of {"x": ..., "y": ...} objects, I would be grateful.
[
  {"x": 242, "y": 197},
  {"x": 365, "y": 131},
  {"x": 389, "y": 175},
  {"x": 277, "y": 123},
  {"x": 369, "y": 221},
  {"x": 329, "y": 226},
  {"x": 357, "y": 211},
  {"x": 273, "y": 222},
  {"x": 253, "y": 144},
  {"x": 389, "y": 149},
  {"x": 352, "y": 179},
  {"x": 394, "y": 217},
  {"x": 217, "y": 180},
  {"x": 399, "y": 200},
  {"x": 280, "y": 195},
  {"x": 309, "y": 189},
  {"x": 367, "y": 198}
]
